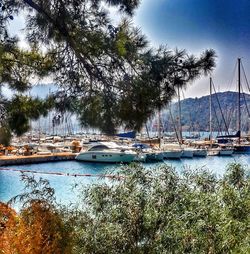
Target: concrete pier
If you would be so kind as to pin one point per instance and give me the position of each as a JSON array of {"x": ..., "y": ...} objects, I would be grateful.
[{"x": 32, "y": 159}]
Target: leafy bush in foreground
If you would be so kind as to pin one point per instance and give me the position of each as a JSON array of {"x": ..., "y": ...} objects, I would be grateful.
[
  {"x": 39, "y": 227},
  {"x": 159, "y": 211}
]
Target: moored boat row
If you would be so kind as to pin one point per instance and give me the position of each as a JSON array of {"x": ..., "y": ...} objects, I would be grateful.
[
  {"x": 110, "y": 152},
  {"x": 113, "y": 150}
]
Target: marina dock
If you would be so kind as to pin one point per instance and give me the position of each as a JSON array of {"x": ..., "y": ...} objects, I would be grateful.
[{"x": 31, "y": 159}]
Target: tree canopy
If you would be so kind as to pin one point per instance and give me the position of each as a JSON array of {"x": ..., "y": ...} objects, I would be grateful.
[
  {"x": 17, "y": 67},
  {"x": 106, "y": 71}
]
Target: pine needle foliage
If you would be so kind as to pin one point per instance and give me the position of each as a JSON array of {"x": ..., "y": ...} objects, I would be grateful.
[
  {"x": 107, "y": 70},
  {"x": 18, "y": 68}
]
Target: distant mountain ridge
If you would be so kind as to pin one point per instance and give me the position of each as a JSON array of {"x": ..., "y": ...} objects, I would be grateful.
[{"x": 195, "y": 113}]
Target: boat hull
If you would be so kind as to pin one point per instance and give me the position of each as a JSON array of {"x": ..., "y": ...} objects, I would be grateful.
[
  {"x": 187, "y": 153},
  {"x": 171, "y": 154},
  {"x": 226, "y": 152},
  {"x": 150, "y": 157},
  {"x": 200, "y": 153},
  {"x": 242, "y": 149},
  {"x": 106, "y": 157},
  {"x": 213, "y": 152},
  {"x": 141, "y": 157}
]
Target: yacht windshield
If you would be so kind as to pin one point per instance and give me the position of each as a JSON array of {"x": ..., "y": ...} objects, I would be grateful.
[{"x": 98, "y": 148}]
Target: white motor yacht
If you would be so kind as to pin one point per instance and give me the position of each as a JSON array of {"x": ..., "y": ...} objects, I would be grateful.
[{"x": 102, "y": 153}]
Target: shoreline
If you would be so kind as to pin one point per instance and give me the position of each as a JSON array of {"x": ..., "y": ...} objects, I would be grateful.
[{"x": 33, "y": 159}]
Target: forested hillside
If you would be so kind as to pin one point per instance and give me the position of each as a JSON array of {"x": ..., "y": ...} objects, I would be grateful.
[{"x": 195, "y": 112}]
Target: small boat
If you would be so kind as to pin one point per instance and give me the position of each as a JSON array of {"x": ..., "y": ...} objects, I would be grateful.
[
  {"x": 187, "y": 152},
  {"x": 150, "y": 154},
  {"x": 227, "y": 151},
  {"x": 213, "y": 151},
  {"x": 103, "y": 153},
  {"x": 242, "y": 148},
  {"x": 172, "y": 151},
  {"x": 172, "y": 154},
  {"x": 154, "y": 156},
  {"x": 200, "y": 152}
]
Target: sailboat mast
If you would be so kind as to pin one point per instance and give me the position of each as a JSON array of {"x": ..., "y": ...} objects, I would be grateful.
[
  {"x": 159, "y": 127},
  {"x": 210, "y": 111},
  {"x": 49, "y": 132},
  {"x": 239, "y": 91},
  {"x": 179, "y": 104}
]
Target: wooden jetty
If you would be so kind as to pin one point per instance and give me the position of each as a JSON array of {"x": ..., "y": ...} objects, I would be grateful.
[{"x": 32, "y": 159}]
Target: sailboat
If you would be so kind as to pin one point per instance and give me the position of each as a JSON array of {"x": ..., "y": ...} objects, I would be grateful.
[
  {"x": 169, "y": 151},
  {"x": 219, "y": 150},
  {"x": 211, "y": 151},
  {"x": 239, "y": 146},
  {"x": 187, "y": 152}
]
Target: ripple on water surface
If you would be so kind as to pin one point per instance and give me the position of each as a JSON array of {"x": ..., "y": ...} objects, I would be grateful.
[{"x": 10, "y": 184}]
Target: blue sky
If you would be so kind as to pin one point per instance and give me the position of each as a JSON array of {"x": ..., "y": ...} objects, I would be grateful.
[
  {"x": 208, "y": 21},
  {"x": 196, "y": 25}
]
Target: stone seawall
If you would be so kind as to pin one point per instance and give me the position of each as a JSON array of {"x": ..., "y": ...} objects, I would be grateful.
[{"x": 32, "y": 159}]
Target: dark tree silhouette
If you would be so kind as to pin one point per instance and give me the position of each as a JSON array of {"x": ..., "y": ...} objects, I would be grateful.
[{"x": 107, "y": 73}]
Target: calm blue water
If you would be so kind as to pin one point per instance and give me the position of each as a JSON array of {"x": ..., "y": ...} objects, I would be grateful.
[{"x": 10, "y": 184}]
